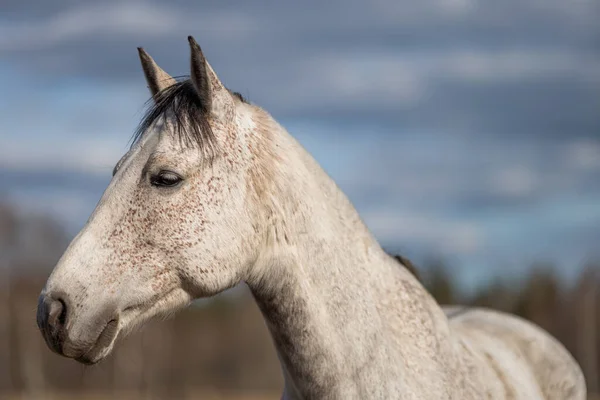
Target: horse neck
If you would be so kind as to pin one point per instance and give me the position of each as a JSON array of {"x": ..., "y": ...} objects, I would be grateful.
[{"x": 322, "y": 282}]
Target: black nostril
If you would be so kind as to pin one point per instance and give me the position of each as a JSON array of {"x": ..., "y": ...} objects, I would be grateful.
[
  {"x": 52, "y": 316},
  {"x": 57, "y": 313},
  {"x": 62, "y": 318}
]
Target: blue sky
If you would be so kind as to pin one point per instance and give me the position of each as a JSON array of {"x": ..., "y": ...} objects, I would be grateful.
[{"x": 464, "y": 129}]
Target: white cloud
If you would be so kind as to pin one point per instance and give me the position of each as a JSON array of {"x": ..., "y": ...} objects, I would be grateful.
[
  {"x": 96, "y": 157},
  {"x": 359, "y": 77},
  {"x": 584, "y": 154},
  {"x": 514, "y": 181},
  {"x": 118, "y": 18},
  {"x": 440, "y": 234},
  {"x": 498, "y": 66},
  {"x": 404, "y": 79}
]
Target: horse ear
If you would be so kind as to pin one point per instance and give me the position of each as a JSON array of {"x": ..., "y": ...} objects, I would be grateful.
[
  {"x": 213, "y": 94},
  {"x": 156, "y": 78}
]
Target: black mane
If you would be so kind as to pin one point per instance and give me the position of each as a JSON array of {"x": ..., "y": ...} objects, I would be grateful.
[{"x": 182, "y": 107}]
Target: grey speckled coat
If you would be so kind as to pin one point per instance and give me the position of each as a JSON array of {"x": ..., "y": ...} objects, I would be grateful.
[{"x": 215, "y": 192}]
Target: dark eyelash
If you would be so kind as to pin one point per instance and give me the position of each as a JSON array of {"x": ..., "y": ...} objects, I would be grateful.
[{"x": 161, "y": 180}]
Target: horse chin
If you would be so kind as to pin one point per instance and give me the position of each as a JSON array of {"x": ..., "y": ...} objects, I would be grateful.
[
  {"x": 101, "y": 347},
  {"x": 88, "y": 360}
]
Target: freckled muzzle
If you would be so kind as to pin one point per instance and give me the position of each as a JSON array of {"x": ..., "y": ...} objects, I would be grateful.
[{"x": 55, "y": 315}]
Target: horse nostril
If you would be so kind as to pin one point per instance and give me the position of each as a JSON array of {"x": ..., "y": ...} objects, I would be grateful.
[
  {"x": 57, "y": 313},
  {"x": 52, "y": 315}
]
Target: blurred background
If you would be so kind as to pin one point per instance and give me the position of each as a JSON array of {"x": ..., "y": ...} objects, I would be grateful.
[{"x": 466, "y": 132}]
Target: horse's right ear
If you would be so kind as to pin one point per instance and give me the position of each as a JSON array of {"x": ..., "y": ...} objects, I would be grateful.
[{"x": 156, "y": 78}]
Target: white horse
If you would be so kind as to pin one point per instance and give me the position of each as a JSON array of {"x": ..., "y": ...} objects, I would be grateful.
[{"x": 215, "y": 192}]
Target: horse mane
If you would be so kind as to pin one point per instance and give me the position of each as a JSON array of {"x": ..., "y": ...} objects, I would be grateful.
[
  {"x": 413, "y": 270},
  {"x": 181, "y": 105},
  {"x": 409, "y": 265}
]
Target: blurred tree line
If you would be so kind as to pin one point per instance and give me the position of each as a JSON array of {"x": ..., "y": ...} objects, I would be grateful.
[{"x": 221, "y": 348}]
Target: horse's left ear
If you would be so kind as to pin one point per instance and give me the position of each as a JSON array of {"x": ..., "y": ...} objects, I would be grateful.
[{"x": 213, "y": 94}]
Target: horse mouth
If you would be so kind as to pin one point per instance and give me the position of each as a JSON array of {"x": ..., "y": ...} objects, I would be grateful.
[
  {"x": 100, "y": 349},
  {"x": 161, "y": 305},
  {"x": 130, "y": 317}
]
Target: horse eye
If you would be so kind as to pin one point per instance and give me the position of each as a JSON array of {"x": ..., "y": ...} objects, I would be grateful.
[{"x": 165, "y": 179}]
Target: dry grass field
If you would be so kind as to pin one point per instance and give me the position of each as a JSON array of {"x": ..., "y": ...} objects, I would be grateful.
[{"x": 221, "y": 349}]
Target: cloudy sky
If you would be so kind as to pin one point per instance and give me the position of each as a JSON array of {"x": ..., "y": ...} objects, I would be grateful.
[{"x": 464, "y": 129}]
